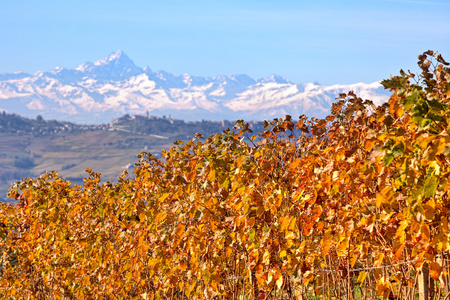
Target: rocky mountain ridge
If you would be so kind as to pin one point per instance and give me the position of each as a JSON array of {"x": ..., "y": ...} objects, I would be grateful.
[{"x": 98, "y": 92}]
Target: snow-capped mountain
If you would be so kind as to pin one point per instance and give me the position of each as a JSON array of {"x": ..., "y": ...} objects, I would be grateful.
[{"x": 110, "y": 87}]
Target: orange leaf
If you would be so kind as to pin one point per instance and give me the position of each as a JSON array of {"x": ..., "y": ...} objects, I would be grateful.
[
  {"x": 326, "y": 243},
  {"x": 382, "y": 287},
  {"x": 435, "y": 270},
  {"x": 399, "y": 251},
  {"x": 191, "y": 175}
]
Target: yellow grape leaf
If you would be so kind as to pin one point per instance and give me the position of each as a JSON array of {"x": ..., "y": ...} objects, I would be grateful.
[
  {"x": 302, "y": 246},
  {"x": 435, "y": 270},
  {"x": 277, "y": 274},
  {"x": 339, "y": 156},
  {"x": 278, "y": 200},
  {"x": 353, "y": 259},
  {"x": 379, "y": 260},
  {"x": 290, "y": 235},
  {"x": 292, "y": 224},
  {"x": 382, "y": 287},
  {"x": 326, "y": 243},
  {"x": 401, "y": 229},
  {"x": 190, "y": 288},
  {"x": 379, "y": 200},
  {"x": 430, "y": 204},
  {"x": 255, "y": 255},
  {"x": 342, "y": 246},
  {"x": 251, "y": 234},
  {"x": 160, "y": 217},
  {"x": 284, "y": 223},
  {"x": 279, "y": 282},
  {"x": 308, "y": 277},
  {"x": 212, "y": 175},
  {"x": 270, "y": 276},
  {"x": 369, "y": 145},
  {"x": 163, "y": 197},
  {"x": 429, "y": 187},
  {"x": 266, "y": 257},
  {"x": 361, "y": 277},
  {"x": 225, "y": 183}
]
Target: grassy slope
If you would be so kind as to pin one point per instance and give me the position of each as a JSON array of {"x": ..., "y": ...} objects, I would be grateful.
[{"x": 106, "y": 152}]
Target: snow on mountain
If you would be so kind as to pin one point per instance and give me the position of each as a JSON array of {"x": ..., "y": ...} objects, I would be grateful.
[{"x": 110, "y": 87}]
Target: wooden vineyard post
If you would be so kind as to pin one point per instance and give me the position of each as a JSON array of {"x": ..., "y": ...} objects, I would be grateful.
[{"x": 424, "y": 288}]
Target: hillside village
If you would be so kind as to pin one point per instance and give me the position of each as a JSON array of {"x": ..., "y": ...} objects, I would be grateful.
[{"x": 31, "y": 147}]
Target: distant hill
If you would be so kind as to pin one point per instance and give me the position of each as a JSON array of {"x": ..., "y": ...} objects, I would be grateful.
[
  {"x": 99, "y": 92},
  {"x": 31, "y": 147},
  {"x": 15, "y": 124}
]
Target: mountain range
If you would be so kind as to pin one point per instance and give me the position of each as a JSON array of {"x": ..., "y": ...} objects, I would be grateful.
[{"x": 99, "y": 92}]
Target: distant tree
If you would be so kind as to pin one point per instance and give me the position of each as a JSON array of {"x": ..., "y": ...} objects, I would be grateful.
[{"x": 39, "y": 118}]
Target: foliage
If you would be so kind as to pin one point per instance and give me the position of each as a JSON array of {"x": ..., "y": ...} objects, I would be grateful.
[{"x": 242, "y": 214}]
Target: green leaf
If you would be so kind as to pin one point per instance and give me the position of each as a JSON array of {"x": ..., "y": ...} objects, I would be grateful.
[
  {"x": 430, "y": 186},
  {"x": 398, "y": 149},
  {"x": 41, "y": 207},
  {"x": 387, "y": 159},
  {"x": 225, "y": 183},
  {"x": 436, "y": 117},
  {"x": 251, "y": 235},
  {"x": 435, "y": 104},
  {"x": 410, "y": 100},
  {"x": 391, "y": 83}
]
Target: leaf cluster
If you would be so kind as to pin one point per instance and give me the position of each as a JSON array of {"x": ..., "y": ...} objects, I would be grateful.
[{"x": 244, "y": 213}]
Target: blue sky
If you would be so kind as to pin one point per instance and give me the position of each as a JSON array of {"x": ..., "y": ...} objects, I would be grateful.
[{"x": 332, "y": 42}]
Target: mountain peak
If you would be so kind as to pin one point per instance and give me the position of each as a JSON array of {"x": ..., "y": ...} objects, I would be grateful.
[
  {"x": 275, "y": 79},
  {"x": 117, "y": 58},
  {"x": 116, "y": 66}
]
